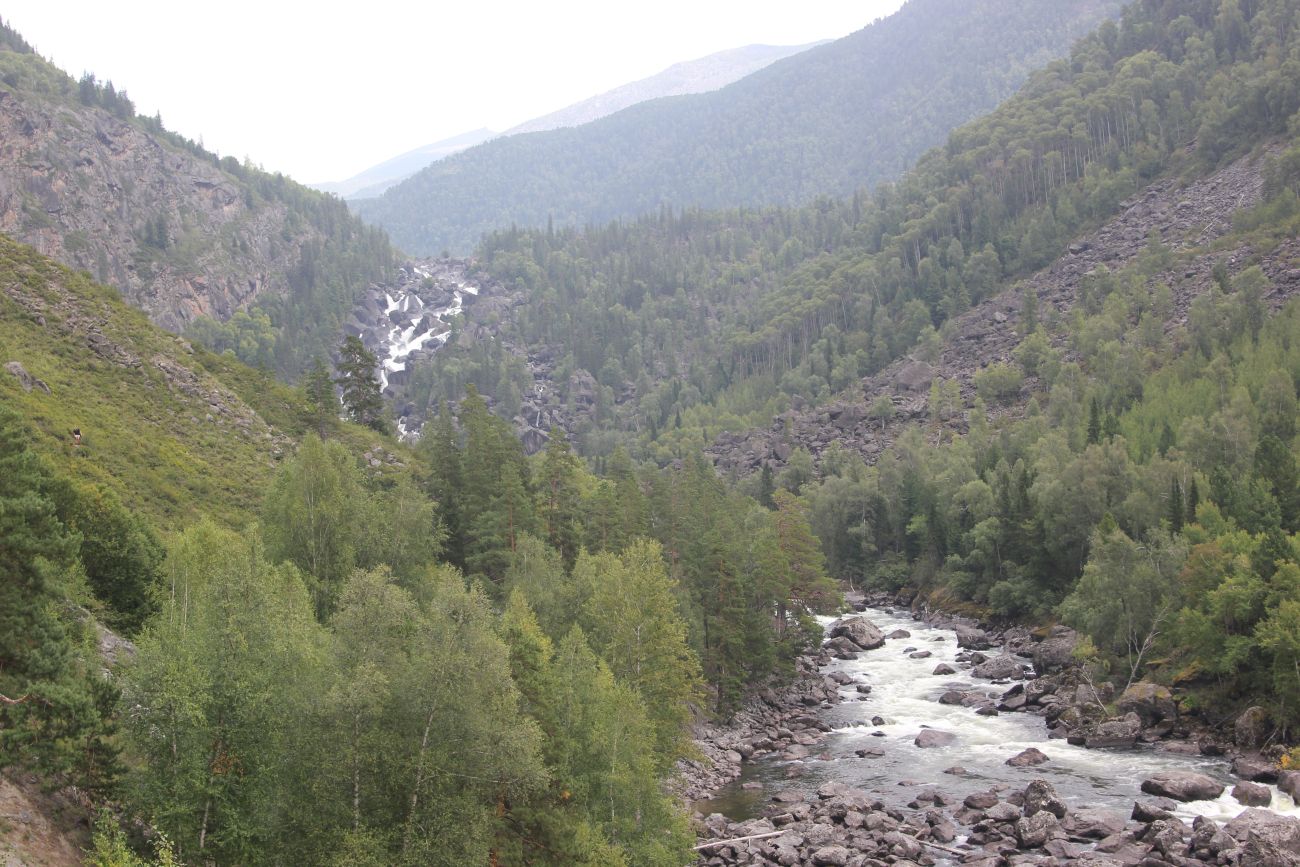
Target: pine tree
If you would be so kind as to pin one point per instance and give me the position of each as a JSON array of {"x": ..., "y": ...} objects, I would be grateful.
[
  {"x": 322, "y": 405},
  {"x": 440, "y": 446},
  {"x": 559, "y": 495},
  {"x": 1094, "y": 422},
  {"x": 357, "y": 379}
]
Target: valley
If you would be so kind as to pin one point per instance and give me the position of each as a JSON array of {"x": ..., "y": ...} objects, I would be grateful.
[{"x": 891, "y": 457}]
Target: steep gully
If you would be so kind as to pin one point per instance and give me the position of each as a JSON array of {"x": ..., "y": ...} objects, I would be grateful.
[{"x": 910, "y": 734}]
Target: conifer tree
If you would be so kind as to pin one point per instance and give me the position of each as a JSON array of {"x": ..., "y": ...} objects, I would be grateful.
[
  {"x": 322, "y": 405},
  {"x": 360, "y": 384},
  {"x": 54, "y": 717}
]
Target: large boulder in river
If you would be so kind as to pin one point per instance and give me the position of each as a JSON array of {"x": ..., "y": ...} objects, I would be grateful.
[
  {"x": 1267, "y": 839},
  {"x": 1289, "y": 782},
  {"x": 1056, "y": 651},
  {"x": 1252, "y": 728},
  {"x": 1152, "y": 703},
  {"x": 860, "y": 631},
  {"x": 971, "y": 637},
  {"x": 998, "y": 668},
  {"x": 1115, "y": 732},
  {"x": 1094, "y": 823},
  {"x": 1252, "y": 794},
  {"x": 1040, "y": 796},
  {"x": 931, "y": 738},
  {"x": 1183, "y": 786}
]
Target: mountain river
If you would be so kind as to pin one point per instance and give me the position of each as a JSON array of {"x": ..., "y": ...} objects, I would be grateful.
[{"x": 905, "y": 694}]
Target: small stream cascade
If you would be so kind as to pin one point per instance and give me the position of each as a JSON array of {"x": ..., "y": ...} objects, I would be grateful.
[
  {"x": 872, "y": 741},
  {"x": 408, "y": 320}
]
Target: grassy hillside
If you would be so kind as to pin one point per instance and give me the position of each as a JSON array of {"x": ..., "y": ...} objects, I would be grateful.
[
  {"x": 180, "y": 434},
  {"x": 828, "y": 121}
]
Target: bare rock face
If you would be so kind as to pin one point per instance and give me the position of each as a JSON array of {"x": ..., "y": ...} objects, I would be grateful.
[
  {"x": 915, "y": 375},
  {"x": 1267, "y": 839},
  {"x": 182, "y": 240},
  {"x": 25, "y": 379},
  {"x": 1252, "y": 728}
]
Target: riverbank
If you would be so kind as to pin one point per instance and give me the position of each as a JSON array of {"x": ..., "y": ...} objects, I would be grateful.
[{"x": 888, "y": 788}]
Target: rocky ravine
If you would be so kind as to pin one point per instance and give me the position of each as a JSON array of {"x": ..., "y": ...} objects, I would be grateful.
[{"x": 1185, "y": 217}]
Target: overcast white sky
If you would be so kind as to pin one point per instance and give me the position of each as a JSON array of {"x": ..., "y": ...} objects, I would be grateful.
[{"x": 323, "y": 90}]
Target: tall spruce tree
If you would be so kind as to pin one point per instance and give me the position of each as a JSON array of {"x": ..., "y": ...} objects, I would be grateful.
[{"x": 360, "y": 385}]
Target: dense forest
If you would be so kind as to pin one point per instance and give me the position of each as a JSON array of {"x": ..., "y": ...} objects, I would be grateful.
[
  {"x": 827, "y": 121},
  {"x": 318, "y": 256}
]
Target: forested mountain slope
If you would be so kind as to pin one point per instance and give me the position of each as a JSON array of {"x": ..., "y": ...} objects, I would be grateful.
[
  {"x": 1064, "y": 345},
  {"x": 692, "y": 76},
  {"x": 1181, "y": 234},
  {"x": 181, "y": 233},
  {"x": 691, "y": 324},
  {"x": 829, "y": 120}
]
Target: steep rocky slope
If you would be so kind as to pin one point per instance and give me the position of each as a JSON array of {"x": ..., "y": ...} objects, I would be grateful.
[
  {"x": 83, "y": 187},
  {"x": 178, "y": 231},
  {"x": 1187, "y": 217}
]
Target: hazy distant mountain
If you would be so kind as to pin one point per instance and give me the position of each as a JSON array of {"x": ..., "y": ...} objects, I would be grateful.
[
  {"x": 692, "y": 76},
  {"x": 828, "y": 120},
  {"x": 374, "y": 180}
]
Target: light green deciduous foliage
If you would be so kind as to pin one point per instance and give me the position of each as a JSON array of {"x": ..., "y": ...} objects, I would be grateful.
[
  {"x": 324, "y": 515},
  {"x": 604, "y": 806},
  {"x": 221, "y": 683},
  {"x": 422, "y": 737},
  {"x": 314, "y": 514},
  {"x": 633, "y": 621},
  {"x": 1128, "y": 595},
  {"x": 264, "y": 736}
]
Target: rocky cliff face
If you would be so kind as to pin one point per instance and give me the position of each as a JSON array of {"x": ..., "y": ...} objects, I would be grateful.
[{"x": 177, "y": 235}]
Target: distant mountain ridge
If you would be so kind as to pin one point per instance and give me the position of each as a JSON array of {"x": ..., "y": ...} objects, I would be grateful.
[
  {"x": 830, "y": 120},
  {"x": 681, "y": 79},
  {"x": 374, "y": 180},
  {"x": 690, "y": 76}
]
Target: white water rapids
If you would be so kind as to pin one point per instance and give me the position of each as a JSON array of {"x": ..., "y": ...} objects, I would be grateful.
[
  {"x": 402, "y": 340},
  {"x": 905, "y": 694}
]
